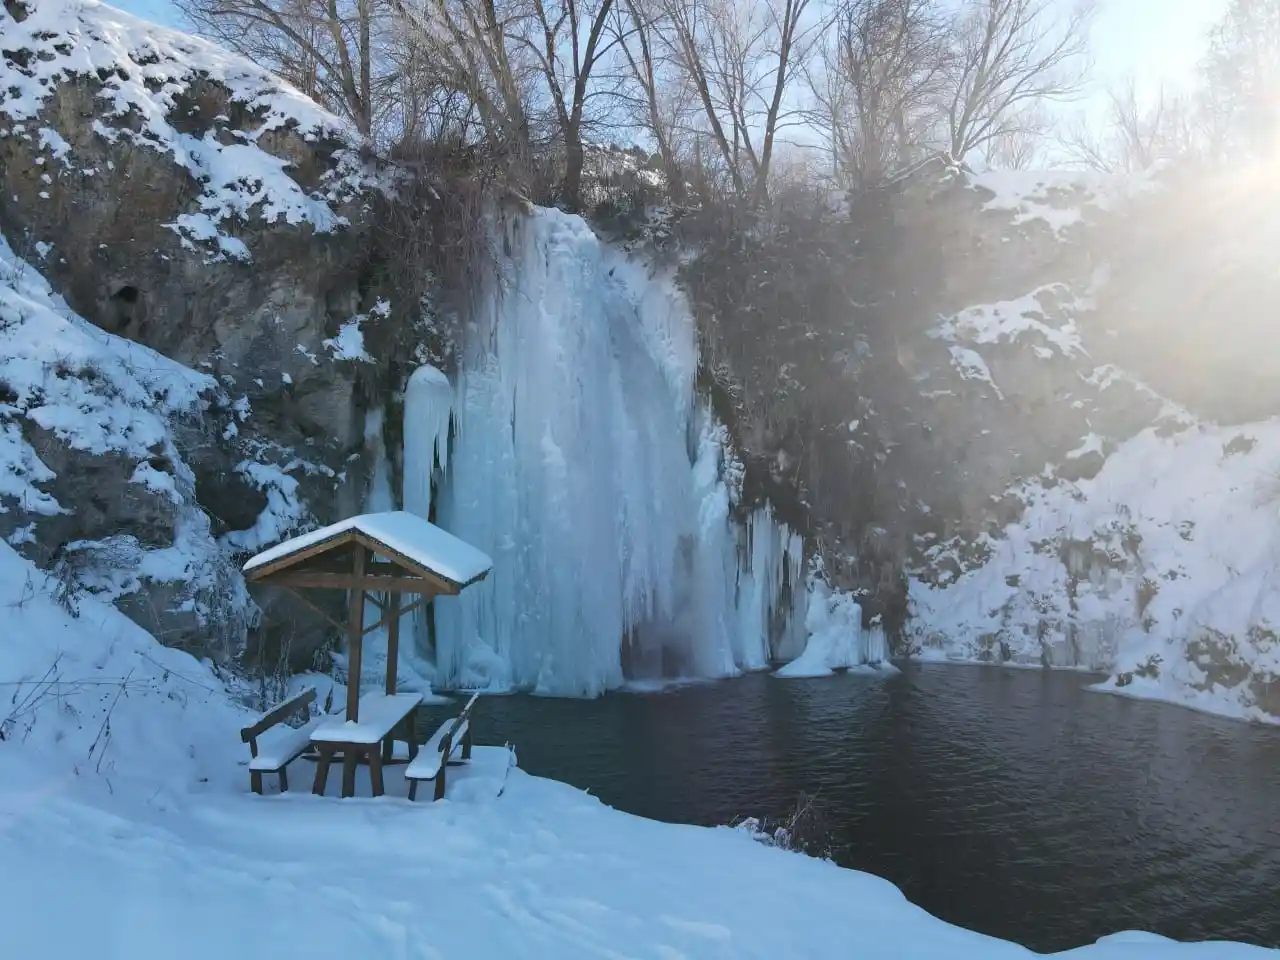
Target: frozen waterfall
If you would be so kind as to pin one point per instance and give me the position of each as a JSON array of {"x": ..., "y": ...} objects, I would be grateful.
[{"x": 583, "y": 463}]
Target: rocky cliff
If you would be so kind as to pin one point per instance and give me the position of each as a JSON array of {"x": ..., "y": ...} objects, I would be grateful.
[
  {"x": 184, "y": 201},
  {"x": 1033, "y": 396}
]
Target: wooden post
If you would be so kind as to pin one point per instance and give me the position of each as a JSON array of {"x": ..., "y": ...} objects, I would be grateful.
[
  {"x": 392, "y": 610},
  {"x": 355, "y": 635}
]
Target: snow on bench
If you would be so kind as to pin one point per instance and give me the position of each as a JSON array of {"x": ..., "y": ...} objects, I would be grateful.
[
  {"x": 451, "y": 742},
  {"x": 379, "y": 715},
  {"x": 427, "y": 764},
  {"x": 273, "y": 744}
]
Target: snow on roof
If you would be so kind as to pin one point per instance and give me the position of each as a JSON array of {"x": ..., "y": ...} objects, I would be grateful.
[
  {"x": 142, "y": 72},
  {"x": 404, "y": 533}
]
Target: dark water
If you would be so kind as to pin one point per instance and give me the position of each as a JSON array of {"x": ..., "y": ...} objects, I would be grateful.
[{"x": 1008, "y": 801}]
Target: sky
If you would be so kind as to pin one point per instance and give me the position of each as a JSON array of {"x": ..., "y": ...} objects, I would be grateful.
[{"x": 1152, "y": 40}]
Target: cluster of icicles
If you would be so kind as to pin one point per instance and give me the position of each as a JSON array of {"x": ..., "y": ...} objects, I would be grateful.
[{"x": 573, "y": 450}]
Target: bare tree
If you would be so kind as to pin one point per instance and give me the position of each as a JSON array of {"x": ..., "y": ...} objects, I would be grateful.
[
  {"x": 879, "y": 66},
  {"x": 330, "y": 49},
  {"x": 655, "y": 103},
  {"x": 738, "y": 62},
  {"x": 1009, "y": 58},
  {"x": 1137, "y": 132},
  {"x": 1242, "y": 77}
]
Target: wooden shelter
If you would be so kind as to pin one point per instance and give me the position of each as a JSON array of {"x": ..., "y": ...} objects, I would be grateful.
[{"x": 379, "y": 557}]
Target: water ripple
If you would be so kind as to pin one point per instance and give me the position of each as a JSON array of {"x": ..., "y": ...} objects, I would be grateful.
[{"x": 1008, "y": 801}]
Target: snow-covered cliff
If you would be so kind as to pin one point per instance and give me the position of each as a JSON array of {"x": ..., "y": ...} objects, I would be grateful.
[{"x": 1140, "y": 537}]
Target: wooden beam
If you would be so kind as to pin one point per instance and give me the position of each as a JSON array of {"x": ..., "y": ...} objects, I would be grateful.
[
  {"x": 341, "y": 627},
  {"x": 386, "y": 620},
  {"x": 350, "y": 581},
  {"x": 343, "y": 565},
  {"x": 355, "y": 641},
  {"x": 393, "y": 642},
  {"x": 442, "y": 584}
]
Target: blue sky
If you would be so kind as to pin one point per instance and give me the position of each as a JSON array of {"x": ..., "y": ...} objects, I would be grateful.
[{"x": 1152, "y": 39}]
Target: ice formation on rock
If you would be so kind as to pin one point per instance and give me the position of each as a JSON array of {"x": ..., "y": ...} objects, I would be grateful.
[{"x": 583, "y": 463}]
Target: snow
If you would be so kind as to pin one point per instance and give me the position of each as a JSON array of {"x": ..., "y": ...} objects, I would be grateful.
[
  {"x": 134, "y": 807},
  {"x": 583, "y": 464},
  {"x": 144, "y": 73},
  {"x": 1009, "y": 320},
  {"x": 1060, "y": 199},
  {"x": 349, "y": 343},
  {"x": 403, "y": 533},
  {"x": 379, "y": 713},
  {"x": 1163, "y": 570}
]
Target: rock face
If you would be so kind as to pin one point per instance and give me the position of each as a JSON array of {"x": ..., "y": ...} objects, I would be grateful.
[
  {"x": 956, "y": 375},
  {"x": 185, "y": 200}
]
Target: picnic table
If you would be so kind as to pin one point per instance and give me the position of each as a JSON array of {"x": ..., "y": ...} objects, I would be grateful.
[{"x": 384, "y": 719}]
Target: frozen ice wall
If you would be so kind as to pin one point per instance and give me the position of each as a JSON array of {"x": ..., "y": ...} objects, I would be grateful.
[{"x": 583, "y": 463}]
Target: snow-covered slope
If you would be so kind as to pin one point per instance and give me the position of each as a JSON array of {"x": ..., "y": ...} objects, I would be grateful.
[
  {"x": 123, "y": 793},
  {"x": 1164, "y": 569},
  {"x": 91, "y": 481},
  {"x": 1101, "y": 526}
]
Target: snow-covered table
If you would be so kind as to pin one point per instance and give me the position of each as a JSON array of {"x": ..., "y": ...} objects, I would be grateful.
[{"x": 384, "y": 719}]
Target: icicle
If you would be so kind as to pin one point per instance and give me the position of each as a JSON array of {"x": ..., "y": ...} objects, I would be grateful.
[
  {"x": 428, "y": 403},
  {"x": 379, "y": 497}
]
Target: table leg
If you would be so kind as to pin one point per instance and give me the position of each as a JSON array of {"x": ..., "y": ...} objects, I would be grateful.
[
  {"x": 348, "y": 770},
  {"x": 322, "y": 769},
  {"x": 413, "y": 733},
  {"x": 375, "y": 770}
]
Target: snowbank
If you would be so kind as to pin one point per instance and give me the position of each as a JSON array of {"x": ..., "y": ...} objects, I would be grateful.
[
  {"x": 123, "y": 792},
  {"x": 1163, "y": 570}
]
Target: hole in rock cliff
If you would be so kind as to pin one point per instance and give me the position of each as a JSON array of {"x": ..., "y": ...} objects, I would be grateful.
[{"x": 123, "y": 306}]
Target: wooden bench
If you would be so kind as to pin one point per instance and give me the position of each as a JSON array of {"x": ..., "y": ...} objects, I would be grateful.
[
  {"x": 453, "y": 739},
  {"x": 384, "y": 718},
  {"x": 273, "y": 744}
]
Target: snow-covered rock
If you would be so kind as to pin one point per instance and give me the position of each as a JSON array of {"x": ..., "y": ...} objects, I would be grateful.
[
  {"x": 183, "y": 197},
  {"x": 1163, "y": 570},
  {"x": 92, "y": 482}
]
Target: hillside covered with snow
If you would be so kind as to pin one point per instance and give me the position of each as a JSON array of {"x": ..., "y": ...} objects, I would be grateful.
[{"x": 1136, "y": 536}]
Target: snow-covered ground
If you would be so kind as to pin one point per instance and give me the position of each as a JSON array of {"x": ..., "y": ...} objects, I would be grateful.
[{"x": 126, "y": 830}]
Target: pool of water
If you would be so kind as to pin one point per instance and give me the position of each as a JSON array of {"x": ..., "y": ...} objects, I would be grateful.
[{"x": 1012, "y": 802}]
